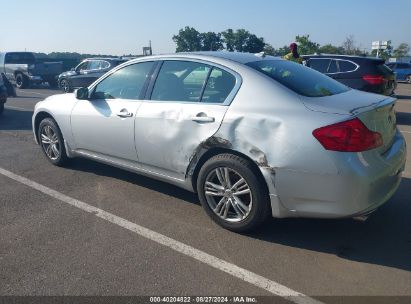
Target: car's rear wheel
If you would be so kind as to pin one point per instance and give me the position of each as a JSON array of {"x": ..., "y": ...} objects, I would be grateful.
[
  {"x": 232, "y": 193},
  {"x": 52, "y": 142},
  {"x": 65, "y": 86},
  {"x": 408, "y": 79},
  {"x": 21, "y": 81}
]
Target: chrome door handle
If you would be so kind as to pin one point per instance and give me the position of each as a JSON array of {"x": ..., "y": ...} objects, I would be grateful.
[
  {"x": 203, "y": 119},
  {"x": 124, "y": 113}
]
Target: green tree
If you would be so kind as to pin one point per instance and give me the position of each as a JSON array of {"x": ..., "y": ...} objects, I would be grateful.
[
  {"x": 242, "y": 41},
  {"x": 270, "y": 50},
  {"x": 305, "y": 45},
  {"x": 229, "y": 38},
  {"x": 188, "y": 40},
  {"x": 331, "y": 49},
  {"x": 350, "y": 46},
  {"x": 211, "y": 41},
  {"x": 401, "y": 51}
]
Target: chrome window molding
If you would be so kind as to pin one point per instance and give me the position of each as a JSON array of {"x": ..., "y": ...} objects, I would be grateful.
[{"x": 338, "y": 59}]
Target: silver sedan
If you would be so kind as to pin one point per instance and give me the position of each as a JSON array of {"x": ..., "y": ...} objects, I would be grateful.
[{"x": 255, "y": 136}]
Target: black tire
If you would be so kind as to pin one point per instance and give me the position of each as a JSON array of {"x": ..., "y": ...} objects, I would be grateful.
[
  {"x": 1, "y": 107},
  {"x": 260, "y": 208},
  {"x": 65, "y": 86},
  {"x": 408, "y": 79},
  {"x": 61, "y": 158},
  {"x": 21, "y": 81}
]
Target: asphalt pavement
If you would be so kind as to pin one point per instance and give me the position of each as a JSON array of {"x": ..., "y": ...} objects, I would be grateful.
[{"x": 127, "y": 243}]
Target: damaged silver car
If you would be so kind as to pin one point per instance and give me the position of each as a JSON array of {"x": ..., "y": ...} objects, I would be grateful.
[{"x": 255, "y": 136}]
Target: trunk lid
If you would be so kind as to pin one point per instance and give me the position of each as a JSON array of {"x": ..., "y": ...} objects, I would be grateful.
[{"x": 375, "y": 111}]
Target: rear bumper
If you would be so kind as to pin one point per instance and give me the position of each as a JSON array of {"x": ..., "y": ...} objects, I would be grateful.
[{"x": 364, "y": 182}]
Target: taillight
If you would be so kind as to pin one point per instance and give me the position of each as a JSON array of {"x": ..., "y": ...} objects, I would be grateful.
[
  {"x": 373, "y": 79},
  {"x": 348, "y": 136}
]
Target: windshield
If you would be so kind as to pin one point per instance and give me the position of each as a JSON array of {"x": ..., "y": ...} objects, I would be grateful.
[{"x": 300, "y": 79}]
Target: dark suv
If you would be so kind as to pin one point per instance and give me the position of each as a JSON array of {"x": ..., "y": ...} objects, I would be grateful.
[
  {"x": 361, "y": 73},
  {"x": 88, "y": 71}
]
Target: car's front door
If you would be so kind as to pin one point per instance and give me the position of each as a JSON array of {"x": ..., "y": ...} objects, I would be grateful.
[
  {"x": 93, "y": 72},
  {"x": 188, "y": 102},
  {"x": 77, "y": 79},
  {"x": 104, "y": 124}
]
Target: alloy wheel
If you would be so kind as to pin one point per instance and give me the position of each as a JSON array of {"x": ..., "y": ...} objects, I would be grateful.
[
  {"x": 65, "y": 86},
  {"x": 50, "y": 142},
  {"x": 228, "y": 194}
]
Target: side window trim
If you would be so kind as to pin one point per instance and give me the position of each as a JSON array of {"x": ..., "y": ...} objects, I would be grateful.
[
  {"x": 153, "y": 79},
  {"x": 200, "y": 99},
  {"x": 212, "y": 65},
  {"x": 338, "y": 66}
]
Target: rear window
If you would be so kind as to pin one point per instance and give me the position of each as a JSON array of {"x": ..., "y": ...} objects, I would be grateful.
[
  {"x": 346, "y": 66},
  {"x": 320, "y": 65},
  {"x": 298, "y": 78},
  {"x": 385, "y": 70},
  {"x": 20, "y": 58}
]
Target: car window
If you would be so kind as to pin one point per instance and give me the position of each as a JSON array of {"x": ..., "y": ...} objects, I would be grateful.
[
  {"x": 104, "y": 64},
  {"x": 83, "y": 66},
  {"x": 346, "y": 66},
  {"x": 298, "y": 78},
  {"x": 219, "y": 86},
  {"x": 126, "y": 83},
  {"x": 180, "y": 81},
  {"x": 94, "y": 65},
  {"x": 333, "y": 67},
  {"x": 20, "y": 58},
  {"x": 321, "y": 65}
]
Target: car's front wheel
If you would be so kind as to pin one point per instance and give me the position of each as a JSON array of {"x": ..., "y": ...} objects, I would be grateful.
[
  {"x": 408, "y": 79},
  {"x": 51, "y": 141},
  {"x": 232, "y": 194}
]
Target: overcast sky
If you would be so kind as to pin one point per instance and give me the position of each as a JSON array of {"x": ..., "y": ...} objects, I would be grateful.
[{"x": 125, "y": 26}]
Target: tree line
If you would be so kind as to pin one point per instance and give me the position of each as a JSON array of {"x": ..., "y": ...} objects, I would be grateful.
[{"x": 189, "y": 39}]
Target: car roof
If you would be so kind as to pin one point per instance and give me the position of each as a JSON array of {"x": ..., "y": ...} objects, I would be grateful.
[
  {"x": 238, "y": 57},
  {"x": 350, "y": 57},
  {"x": 104, "y": 58}
]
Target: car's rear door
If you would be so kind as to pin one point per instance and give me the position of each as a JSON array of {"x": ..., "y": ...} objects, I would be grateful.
[
  {"x": 187, "y": 104},
  {"x": 103, "y": 126}
]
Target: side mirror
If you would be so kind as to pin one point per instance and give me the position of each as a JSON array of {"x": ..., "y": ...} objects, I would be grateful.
[{"x": 82, "y": 93}]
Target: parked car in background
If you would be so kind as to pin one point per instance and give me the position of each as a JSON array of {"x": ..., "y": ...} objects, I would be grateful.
[
  {"x": 3, "y": 95},
  {"x": 401, "y": 70},
  {"x": 254, "y": 136},
  {"x": 361, "y": 73},
  {"x": 22, "y": 69},
  {"x": 6, "y": 90},
  {"x": 88, "y": 71}
]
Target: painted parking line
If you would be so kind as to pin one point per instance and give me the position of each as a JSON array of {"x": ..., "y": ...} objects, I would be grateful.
[
  {"x": 201, "y": 256},
  {"x": 17, "y": 108},
  {"x": 34, "y": 92}
]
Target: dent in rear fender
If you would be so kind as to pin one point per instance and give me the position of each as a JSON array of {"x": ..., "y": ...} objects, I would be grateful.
[{"x": 275, "y": 149}]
